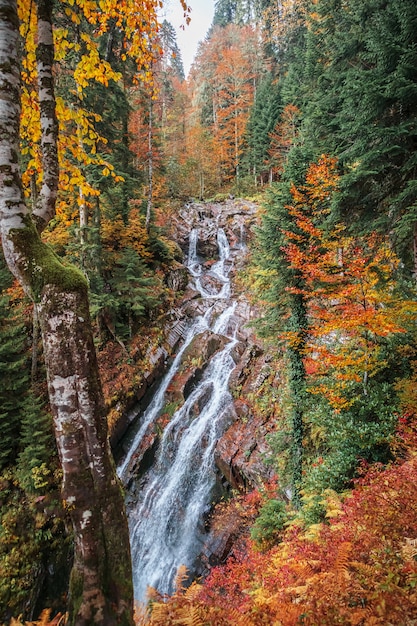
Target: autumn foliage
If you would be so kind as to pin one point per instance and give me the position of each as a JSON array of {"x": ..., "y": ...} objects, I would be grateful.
[
  {"x": 358, "y": 567},
  {"x": 349, "y": 284}
]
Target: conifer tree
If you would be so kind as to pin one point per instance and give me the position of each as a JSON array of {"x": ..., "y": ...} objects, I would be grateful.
[
  {"x": 285, "y": 317},
  {"x": 14, "y": 373},
  {"x": 263, "y": 118},
  {"x": 37, "y": 446}
]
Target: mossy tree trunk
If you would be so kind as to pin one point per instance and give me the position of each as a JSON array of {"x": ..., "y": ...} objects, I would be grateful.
[
  {"x": 298, "y": 325},
  {"x": 101, "y": 587}
]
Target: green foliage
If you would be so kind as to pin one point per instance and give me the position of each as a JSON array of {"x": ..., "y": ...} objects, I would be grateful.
[
  {"x": 286, "y": 315},
  {"x": 37, "y": 447},
  {"x": 129, "y": 293},
  {"x": 263, "y": 118},
  {"x": 270, "y": 523},
  {"x": 14, "y": 376},
  {"x": 235, "y": 12},
  {"x": 359, "y": 63},
  {"x": 32, "y": 536},
  {"x": 340, "y": 439},
  {"x": 33, "y": 549}
]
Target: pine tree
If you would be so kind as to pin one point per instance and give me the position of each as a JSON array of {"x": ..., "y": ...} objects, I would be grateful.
[
  {"x": 137, "y": 290},
  {"x": 361, "y": 60},
  {"x": 285, "y": 317},
  {"x": 170, "y": 50},
  {"x": 37, "y": 446},
  {"x": 14, "y": 373},
  {"x": 263, "y": 118},
  {"x": 225, "y": 12}
]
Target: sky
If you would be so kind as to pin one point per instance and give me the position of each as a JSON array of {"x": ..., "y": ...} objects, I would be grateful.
[{"x": 201, "y": 17}]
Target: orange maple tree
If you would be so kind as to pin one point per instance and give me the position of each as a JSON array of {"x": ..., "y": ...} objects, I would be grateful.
[{"x": 349, "y": 284}]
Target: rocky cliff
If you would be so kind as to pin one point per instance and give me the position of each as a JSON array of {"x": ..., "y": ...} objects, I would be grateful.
[{"x": 241, "y": 450}]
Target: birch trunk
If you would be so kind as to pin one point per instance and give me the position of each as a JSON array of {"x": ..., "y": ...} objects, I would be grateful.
[{"x": 100, "y": 587}]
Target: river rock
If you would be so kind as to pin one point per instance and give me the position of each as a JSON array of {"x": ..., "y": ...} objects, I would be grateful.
[
  {"x": 211, "y": 284},
  {"x": 240, "y": 453},
  {"x": 178, "y": 278},
  {"x": 195, "y": 360}
]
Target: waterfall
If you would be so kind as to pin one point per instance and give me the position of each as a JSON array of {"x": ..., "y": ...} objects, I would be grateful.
[{"x": 166, "y": 512}]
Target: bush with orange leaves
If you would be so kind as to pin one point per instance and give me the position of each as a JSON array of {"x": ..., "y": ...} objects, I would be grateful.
[{"x": 358, "y": 568}]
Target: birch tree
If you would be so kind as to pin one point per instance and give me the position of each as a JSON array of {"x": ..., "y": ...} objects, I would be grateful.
[{"x": 100, "y": 587}]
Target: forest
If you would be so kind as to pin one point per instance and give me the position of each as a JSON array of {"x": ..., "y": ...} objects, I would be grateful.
[{"x": 300, "y": 116}]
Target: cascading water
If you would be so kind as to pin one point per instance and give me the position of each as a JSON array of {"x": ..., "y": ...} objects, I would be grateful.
[{"x": 166, "y": 521}]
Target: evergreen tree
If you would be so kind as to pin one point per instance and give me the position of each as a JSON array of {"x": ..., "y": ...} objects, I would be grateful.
[
  {"x": 171, "y": 52},
  {"x": 361, "y": 59},
  {"x": 238, "y": 12},
  {"x": 225, "y": 12},
  {"x": 285, "y": 317},
  {"x": 137, "y": 290},
  {"x": 14, "y": 373},
  {"x": 37, "y": 446},
  {"x": 263, "y": 118}
]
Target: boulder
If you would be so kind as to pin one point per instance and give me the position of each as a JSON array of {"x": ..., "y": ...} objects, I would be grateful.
[
  {"x": 195, "y": 360},
  {"x": 177, "y": 278},
  {"x": 240, "y": 453},
  {"x": 211, "y": 284}
]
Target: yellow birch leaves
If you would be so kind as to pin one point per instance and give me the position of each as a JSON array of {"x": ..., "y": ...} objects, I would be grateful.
[{"x": 83, "y": 29}]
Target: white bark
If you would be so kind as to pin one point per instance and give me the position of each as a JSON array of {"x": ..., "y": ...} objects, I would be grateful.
[
  {"x": 101, "y": 587},
  {"x": 44, "y": 209}
]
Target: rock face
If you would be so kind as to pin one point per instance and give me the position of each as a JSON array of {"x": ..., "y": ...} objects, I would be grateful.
[
  {"x": 240, "y": 451},
  {"x": 155, "y": 363},
  {"x": 236, "y": 217}
]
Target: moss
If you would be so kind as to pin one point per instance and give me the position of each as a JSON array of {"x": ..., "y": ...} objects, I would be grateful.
[
  {"x": 43, "y": 266},
  {"x": 76, "y": 587}
]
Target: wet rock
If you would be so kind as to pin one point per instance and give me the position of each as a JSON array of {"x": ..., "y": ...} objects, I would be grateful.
[
  {"x": 245, "y": 366},
  {"x": 207, "y": 245},
  {"x": 202, "y": 401},
  {"x": 195, "y": 360},
  {"x": 144, "y": 457},
  {"x": 238, "y": 351},
  {"x": 177, "y": 278},
  {"x": 219, "y": 545},
  {"x": 211, "y": 284},
  {"x": 235, "y": 216},
  {"x": 240, "y": 454},
  {"x": 195, "y": 306}
]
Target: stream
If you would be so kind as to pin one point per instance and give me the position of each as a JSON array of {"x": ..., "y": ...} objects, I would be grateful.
[{"x": 168, "y": 504}]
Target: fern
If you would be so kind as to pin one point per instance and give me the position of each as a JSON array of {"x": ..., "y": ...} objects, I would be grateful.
[
  {"x": 363, "y": 568},
  {"x": 141, "y": 616},
  {"x": 409, "y": 549},
  {"x": 342, "y": 560},
  {"x": 44, "y": 620},
  {"x": 189, "y": 616},
  {"x": 362, "y": 616},
  {"x": 180, "y": 578},
  {"x": 192, "y": 592},
  {"x": 238, "y": 619},
  {"x": 160, "y": 614}
]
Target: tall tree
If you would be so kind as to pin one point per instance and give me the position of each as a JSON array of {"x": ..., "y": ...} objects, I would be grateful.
[
  {"x": 285, "y": 318},
  {"x": 14, "y": 376},
  {"x": 101, "y": 586},
  {"x": 223, "y": 84},
  {"x": 262, "y": 120}
]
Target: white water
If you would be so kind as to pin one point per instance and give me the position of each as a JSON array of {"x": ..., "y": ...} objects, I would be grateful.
[{"x": 166, "y": 522}]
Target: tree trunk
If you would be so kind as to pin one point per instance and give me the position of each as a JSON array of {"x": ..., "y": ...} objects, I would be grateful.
[
  {"x": 101, "y": 585},
  {"x": 100, "y": 590},
  {"x": 149, "y": 205}
]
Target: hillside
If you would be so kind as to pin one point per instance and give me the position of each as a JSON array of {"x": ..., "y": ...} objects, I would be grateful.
[{"x": 252, "y": 230}]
